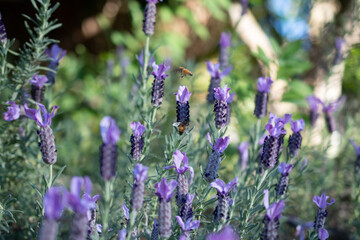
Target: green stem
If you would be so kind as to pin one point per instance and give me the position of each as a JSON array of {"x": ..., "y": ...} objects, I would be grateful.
[
  {"x": 105, "y": 217},
  {"x": 131, "y": 224},
  {"x": 50, "y": 175},
  {"x": 146, "y": 60}
]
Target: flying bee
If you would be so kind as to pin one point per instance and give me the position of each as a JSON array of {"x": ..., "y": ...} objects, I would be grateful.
[
  {"x": 181, "y": 127},
  {"x": 183, "y": 72}
]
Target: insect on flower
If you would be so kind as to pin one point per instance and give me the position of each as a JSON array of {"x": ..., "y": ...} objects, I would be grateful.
[
  {"x": 183, "y": 72},
  {"x": 181, "y": 127}
]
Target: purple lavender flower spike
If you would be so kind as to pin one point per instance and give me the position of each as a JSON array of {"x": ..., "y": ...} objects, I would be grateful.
[
  {"x": 357, "y": 161},
  {"x": 165, "y": 191},
  {"x": 243, "y": 155},
  {"x": 186, "y": 227},
  {"x": 47, "y": 138},
  {"x": 283, "y": 183},
  {"x": 323, "y": 234},
  {"x": 55, "y": 53},
  {"x": 227, "y": 233},
  {"x": 80, "y": 206},
  {"x": 149, "y": 17},
  {"x": 183, "y": 181},
  {"x": 339, "y": 56},
  {"x": 295, "y": 139},
  {"x": 224, "y": 44},
  {"x": 182, "y": 108},
  {"x": 186, "y": 211},
  {"x": 321, "y": 202},
  {"x": 214, "y": 159},
  {"x": 223, "y": 193},
  {"x": 262, "y": 96},
  {"x": 158, "y": 84},
  {"x": 273, "y": 142},
  {"x": 137, "y": 140},
  {"x": 3, "y": 35},
  {"x": 272, "y": 217},
  {"x": 314, "y": 104},
  {"x": 37, "y": 87},
  {"x": 140, "y": 175},
  {"x": 54, "y": 206},
  {"x": 13, "y": 111},
  {"x": 110, "y": 135},
  {"x": 155, "y": 231},
  {"x": 216, "y": 77}
]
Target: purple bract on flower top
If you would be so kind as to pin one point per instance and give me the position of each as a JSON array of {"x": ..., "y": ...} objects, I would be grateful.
[
  {"x": 54, "y": 202},
  {"x": 188, "y": 225},
  {"x": 159, "y": 71},
  {"x": 180, "y": 158},
  {"x": 222, "y": 188},
  {"x": 222, "y": 94},
  {"x": 55, "y": 53},
  {"x": 275, "y": 126},
  {"x": 274, "y": 210},
  {"x": 323, "y": 234},
  {"x": 225, "y": 39},
  {"x": 138, "y": 128},
  {"x": 140, "y": 59},
  {"x": 264, "y": 84},
  {"x": 38, "y": 80},
  {"x": 13, "y": 111},
  {"x": 165, "y": 190},
  {"x": 183, "y": 94},
  {"x": 140, "y": 173},
  {"x": 215, "y": 72},
  {"x": 110, "y": 133},
  {"x": 244, "y": 154},
  {"x": 298, "y": 125},
  {"x": 43, "y": 120},
  {"x": 313, "y": 102},
  {"x": 321, "y": 201},
  {"x": 285, "y": 169},
  {"x": 220, "y": 145}
]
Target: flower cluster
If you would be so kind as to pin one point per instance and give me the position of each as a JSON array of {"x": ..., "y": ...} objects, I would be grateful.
[
  {"x": 182, "y": 108},
  {"x": 262, "y": 96},
  {"x": 158, "y": 84},
  {"x": 137, "y": 140}
]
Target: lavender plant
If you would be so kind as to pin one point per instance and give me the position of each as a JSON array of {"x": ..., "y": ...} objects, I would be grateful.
[{"x": 262, "y": 96}]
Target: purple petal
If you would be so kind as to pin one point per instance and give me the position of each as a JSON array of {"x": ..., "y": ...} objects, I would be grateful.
[
  {"x": 323, "y": 234},
  {"x": 138, "y": 128},
  {"x": 222, "y": 94},
  {"x": 313, "y": 102},
  {"x": 122, "y": 234},
  {"x": 284, "y": 168},
  {"x": 209, "y": 139},
  {"x": 183, "y": 94},
  {"x": 13, "y": 112},
  {"x": 221, "y": 144},
  {"x": 38, "y": 80},
  {"x": 230, "y": 185},
  {"x": 126, "y": 211},
  {"x": 180, "y": 222},
  {"x": 264, "y": 84},
  {"x": 266, "y": 198},
  {"x": 76, "y": 185},
  {"x": 178, "y": 158},
  {"x": 53, "y": 202},
  {"x": 140, "y": 173},
  {"x": 56, "y": 53},
  {"x": 191, "y": 175},
  {"x": 189, "y": 198},
  {"x": 219, "y": 185},
  {"x": 165, "y": 190},
  {"x": 211, "y": 68},
  {"x": 231, "y": 98},
  {"x": 356, "y": 147},
  {"x": 226, "y": 72},
  {"x": 191, "y": 225},
  {"x": 110, "y": 133},
  {"x": 87, "y": 185},
  {"x": 298, "y": 125},
  {"x": 275, "y": 209}
]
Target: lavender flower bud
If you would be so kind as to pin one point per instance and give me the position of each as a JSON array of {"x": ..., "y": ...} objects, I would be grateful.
[
  {"x": 3, "y": 35},
  {"x": 294, "y": 144},
  {"x": 261, "y": 101},
  {"x": 186, "y": 211},
  {"x": 270, "y": 155},
  {"x": 47, "y": 145},
  {"x": 37, "y": 93},
  {"x": 49, "y": 229},
  {"x": 140, "y": 175},
  {"x": 91, "y": 216},
  {"x": 181, "y": 190},
  {"x": 222, "y": 209},
  {"x": 262, "y": 96},
  {"x": 165, "y": 218},
  {"x": 155, "y": 232},
  {"x": 78, "y": 227},
  {"x": 221, "y": 104},
  {"x": 212, "y": 166},
  {"x": 214, "y": 83},
  {"x": 158, "y": 84},
  {"x": 149, "y": 18},
  {"x": 137, "y": 146},
  {"x": 271, "y": 227},
  {"x": 108, "y": 158},
  {"x": 283, "y": 183}
]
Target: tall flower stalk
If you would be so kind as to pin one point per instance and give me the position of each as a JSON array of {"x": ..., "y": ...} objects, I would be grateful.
[
  {"x": 321, "y": 202},
  {"x": 295, "y": 139},
  {"x": 283, "y": 182},
  {"x": 140, "y": 175},
  {"x": 182, "y": 108},
  {"x": 221, "y": 106},
  {"x": 158, "y": 84}
]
